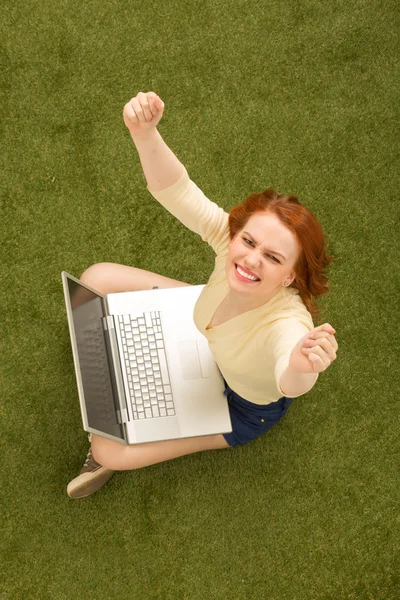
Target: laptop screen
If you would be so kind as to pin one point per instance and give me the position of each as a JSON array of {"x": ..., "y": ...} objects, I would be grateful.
[{"x": 97, "y": 378}]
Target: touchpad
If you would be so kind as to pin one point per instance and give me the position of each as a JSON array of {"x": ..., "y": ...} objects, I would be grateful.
[{"x": 190, "y": 360}]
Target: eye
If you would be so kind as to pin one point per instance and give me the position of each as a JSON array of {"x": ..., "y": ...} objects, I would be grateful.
[
  {"x": 246, "y": 240},
  {"x": 269, "y": 255}
]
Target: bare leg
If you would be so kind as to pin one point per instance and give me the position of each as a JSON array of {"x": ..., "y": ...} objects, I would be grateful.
[
  {"x": 108, "y": 278},
  {"x": 118, "y": 457}
]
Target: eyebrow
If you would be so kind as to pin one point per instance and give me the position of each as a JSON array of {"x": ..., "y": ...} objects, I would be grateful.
[{"x": 265, "y": 249}]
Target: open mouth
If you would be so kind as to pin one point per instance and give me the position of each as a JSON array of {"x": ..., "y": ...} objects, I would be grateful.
[{"x": 243, "y": 276}]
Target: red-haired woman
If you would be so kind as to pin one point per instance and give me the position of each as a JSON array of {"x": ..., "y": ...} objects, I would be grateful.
[{"x": 256, "y": 310}]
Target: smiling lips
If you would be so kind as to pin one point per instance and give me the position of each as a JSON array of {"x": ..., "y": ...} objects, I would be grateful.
[{"x": 245, "y": 275}]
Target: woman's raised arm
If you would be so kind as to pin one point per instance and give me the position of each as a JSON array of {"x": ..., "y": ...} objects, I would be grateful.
[{"x": 160, "y": 165}]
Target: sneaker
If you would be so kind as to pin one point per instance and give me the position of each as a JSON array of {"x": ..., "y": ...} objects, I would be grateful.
[{"x": 92, "y": 477}]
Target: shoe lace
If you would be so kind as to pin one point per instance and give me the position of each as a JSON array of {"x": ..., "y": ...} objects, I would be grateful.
[
  {"x": 89, "y": 457},
  {"x": 90, "y": 463}
]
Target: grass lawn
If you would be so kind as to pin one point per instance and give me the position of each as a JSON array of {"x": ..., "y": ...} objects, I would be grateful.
[{"x": 299, "y": 96}]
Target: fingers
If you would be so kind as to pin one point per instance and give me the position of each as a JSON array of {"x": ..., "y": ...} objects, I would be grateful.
[
  {"x": 325, "y": 327},
  {"x": 319, "y": 358},
  {"x": 322, "y": 345},
  {"x": 142, "y": 108},
  {"x": 314, "y": 338},
  {"x": 319, "y": 362}
]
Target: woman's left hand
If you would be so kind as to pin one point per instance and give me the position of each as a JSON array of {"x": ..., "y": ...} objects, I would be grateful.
[{"x": 315, "y": 351}]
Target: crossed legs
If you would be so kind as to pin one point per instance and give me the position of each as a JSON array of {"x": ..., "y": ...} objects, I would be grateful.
[{"x": 111, "y": 278}]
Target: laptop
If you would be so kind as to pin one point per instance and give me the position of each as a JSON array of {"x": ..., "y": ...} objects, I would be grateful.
[{"x": 144, "y": 371}]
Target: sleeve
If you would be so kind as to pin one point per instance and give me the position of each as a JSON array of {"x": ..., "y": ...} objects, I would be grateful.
[
  {"x": 185, "y": 201},
  {"x": 285, "y": 335}
]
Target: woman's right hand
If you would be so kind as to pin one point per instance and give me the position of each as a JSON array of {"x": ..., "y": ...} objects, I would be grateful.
[{"x": 143, "y": 113}]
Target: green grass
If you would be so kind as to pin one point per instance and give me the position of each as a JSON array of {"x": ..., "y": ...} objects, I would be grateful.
[{"x": 302, "y": 97}]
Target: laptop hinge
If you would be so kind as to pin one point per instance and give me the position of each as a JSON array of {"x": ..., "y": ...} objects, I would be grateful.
[
  {"x": 108, "y": 322},
  {"x": 122, "y": 416},
  {"x": 121, "y": 410}
]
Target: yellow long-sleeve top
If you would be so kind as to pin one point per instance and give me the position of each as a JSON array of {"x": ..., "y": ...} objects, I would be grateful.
[{"x": 252, "y": 350}]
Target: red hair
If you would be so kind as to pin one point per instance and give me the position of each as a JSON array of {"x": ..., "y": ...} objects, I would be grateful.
[{"x": 311, "y": 281}]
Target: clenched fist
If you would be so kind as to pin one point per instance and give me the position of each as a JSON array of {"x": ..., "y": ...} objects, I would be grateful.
[
  {"x": 143, "y": 113},
  {"x": 315, "y": 351}
]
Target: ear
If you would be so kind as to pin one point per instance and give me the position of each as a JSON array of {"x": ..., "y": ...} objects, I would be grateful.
[{"x": 291, "y": 277}]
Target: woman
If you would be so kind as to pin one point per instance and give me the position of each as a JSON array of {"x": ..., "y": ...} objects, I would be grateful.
[{"x": 256, "y": 310}]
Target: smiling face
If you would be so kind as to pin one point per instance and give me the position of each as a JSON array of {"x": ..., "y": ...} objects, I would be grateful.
[{"x": 261, "y": 258}]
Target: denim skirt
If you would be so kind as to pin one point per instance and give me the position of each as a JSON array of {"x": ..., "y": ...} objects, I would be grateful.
[{"x": 250, "y": 420}]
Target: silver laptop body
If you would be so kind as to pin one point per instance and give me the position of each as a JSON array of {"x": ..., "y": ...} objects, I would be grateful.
[{"x": 144, "y": 371}]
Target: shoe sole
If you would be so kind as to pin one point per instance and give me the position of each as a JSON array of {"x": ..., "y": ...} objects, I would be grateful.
[{"x": 90, "y": 484}]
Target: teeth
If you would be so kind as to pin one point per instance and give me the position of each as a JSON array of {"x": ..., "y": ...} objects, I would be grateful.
[{"x": 243, "y": 274}]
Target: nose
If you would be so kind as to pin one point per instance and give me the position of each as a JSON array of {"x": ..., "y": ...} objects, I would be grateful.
[{"x": 252, "y": 260}]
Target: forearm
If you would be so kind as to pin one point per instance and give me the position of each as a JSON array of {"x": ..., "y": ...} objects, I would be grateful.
[
  {"x": 160, "y": 165},
  {"x": 293, "y": 383}
]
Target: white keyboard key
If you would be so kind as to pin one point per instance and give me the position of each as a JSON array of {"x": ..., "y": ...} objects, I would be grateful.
[
  {"x": 149, "y": 414},
  {"x": 171, "y": 412},
  {"x": 147, "y": 317},
  {"x": 156, "y": 412},
  {"x": 163, "y": 412}
]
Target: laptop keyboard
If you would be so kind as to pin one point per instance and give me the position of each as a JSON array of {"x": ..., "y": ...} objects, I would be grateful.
[{"x": 146, "y": 365}]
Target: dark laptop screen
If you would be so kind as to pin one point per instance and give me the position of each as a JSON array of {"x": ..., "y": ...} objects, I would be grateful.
[{"x": 97, "y": 377}]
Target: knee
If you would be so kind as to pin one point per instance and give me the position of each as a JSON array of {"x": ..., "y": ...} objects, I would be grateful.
[
  {"x": 107, "y": 453},
  {"x": 95, "y": 273},
  {"x": 101, "y": 277}
]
